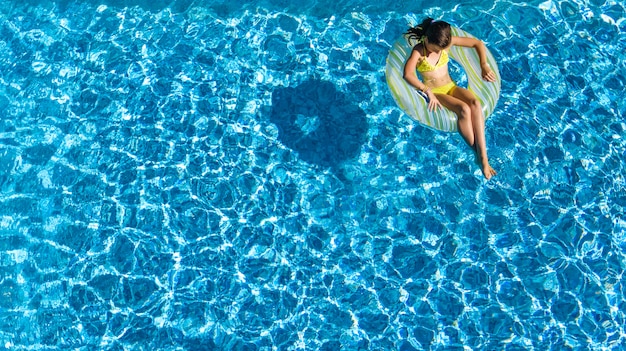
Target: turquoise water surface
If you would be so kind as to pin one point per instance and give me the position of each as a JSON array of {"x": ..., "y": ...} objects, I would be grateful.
[{"x": 218, "y": 176}]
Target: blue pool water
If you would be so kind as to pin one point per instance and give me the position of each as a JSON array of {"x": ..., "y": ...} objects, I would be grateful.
[{"x": 218, "y": 176}]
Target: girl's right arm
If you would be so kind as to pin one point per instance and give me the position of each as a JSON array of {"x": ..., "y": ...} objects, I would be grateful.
[
  {"x": 409, "y": 71},
  {"x": 411, "y": 78}
]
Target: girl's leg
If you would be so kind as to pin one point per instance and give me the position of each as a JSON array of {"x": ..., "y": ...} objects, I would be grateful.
[
  {"x": 464, "y": 117},
  {"x": 471, "y": 121},
  {"x": 478, "y": 124},
  {"x": 477, "y": 119}
]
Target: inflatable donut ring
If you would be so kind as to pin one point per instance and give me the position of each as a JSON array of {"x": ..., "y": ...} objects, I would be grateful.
[{"x": 414, "y": 103}]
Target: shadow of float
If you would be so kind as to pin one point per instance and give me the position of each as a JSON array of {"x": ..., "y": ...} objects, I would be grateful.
[{"x": 319, "y": 122}]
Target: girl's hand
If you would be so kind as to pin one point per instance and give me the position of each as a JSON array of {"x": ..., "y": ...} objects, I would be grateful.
[
  {"x": 433, "y": 102},
  {"x": 488, "y": 73}
]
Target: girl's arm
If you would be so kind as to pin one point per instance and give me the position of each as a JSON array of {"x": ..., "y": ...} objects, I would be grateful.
[
  {"x": 409, "y": 71},
  {"x": 411, "y": 77},
  {"x": 481, "y": 50}
]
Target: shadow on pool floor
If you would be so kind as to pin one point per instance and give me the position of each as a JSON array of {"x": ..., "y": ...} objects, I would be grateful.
[{"x": 319, "y": 122}]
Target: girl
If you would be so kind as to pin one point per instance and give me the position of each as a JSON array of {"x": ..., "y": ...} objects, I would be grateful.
[{"x": 430, "y": 58}]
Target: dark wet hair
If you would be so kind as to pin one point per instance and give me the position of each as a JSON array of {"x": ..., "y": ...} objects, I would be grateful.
[{"x": 437, "y": 32}]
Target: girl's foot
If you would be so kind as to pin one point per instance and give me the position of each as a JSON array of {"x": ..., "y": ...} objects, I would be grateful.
[{"x": 488, "y": 172}]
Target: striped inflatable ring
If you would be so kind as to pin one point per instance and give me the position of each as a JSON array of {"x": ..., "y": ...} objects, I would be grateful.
[{"x": 414, "y": 103}]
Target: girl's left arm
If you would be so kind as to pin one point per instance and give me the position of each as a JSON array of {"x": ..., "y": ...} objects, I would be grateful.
[{"x": 481, "y": 50}]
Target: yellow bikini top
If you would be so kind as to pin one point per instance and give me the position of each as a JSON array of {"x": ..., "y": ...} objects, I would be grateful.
[{"x": 426, "y": 66}]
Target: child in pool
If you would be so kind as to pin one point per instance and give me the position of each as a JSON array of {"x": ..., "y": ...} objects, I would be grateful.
[{"x": 430, "y": 58}]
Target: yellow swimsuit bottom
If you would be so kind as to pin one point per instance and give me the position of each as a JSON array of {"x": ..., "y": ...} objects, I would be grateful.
[{"x": 445, "y": 89}]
